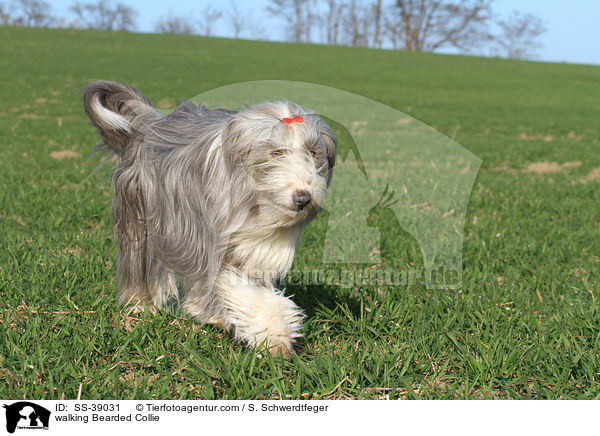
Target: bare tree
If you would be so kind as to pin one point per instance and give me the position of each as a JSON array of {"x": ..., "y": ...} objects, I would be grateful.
[
  {"x": 353, "y": 22},
  {"x": 4, "y": 14},
  {"x": 331, "y": 21},
  {"x": 124, "y": 17},
  {"x": 357, "y": 22},
  {"x": 393, "y": 28},
  {"x": 34, "y": 13},
  {"x": 298, "y": 15},
  {"x": 376, "y": 8},
  {"x": 65, "y": 23},
  {"x": 427, "y": 25},
  {"x": 239, "y": 20},
  {"x": 208, "y": 18},
  {"x": 172, "y": 24},
  {"x": 104, "y": 15},
  {"x": 309, "y": 18},
  {"x": 518, "y": 36}
]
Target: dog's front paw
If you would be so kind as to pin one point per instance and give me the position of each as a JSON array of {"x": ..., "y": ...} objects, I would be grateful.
[
  {"x": 281, "y": 351},
  {"x": 276, "y": 348},
  {"x": 275, "y": 334},
  {"x": 136, "y": 306},
  {"x": 273, "y": 325},
  {"x": 258, "y": 315}
]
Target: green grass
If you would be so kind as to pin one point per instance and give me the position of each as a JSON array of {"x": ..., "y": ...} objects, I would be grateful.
[{"x": 525, "y": 323}]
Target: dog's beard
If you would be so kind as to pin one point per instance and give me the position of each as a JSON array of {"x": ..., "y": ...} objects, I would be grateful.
[{"x": 274, "y": 216}]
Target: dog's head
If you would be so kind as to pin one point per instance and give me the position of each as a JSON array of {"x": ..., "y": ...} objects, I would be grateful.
[{"x": 289, "y": 155}]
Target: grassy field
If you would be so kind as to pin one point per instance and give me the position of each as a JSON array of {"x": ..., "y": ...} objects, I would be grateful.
[{"x": 525, "y": 324}]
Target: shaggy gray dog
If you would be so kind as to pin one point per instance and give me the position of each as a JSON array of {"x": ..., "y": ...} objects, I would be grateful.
[{"x": 216, "y": 198}]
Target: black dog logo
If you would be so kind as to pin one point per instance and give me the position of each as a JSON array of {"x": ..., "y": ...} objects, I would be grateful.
[{"x": 30, "y": 412}]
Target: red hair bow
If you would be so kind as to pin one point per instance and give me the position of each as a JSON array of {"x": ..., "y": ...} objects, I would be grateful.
[{"x": 296, "y": 119}]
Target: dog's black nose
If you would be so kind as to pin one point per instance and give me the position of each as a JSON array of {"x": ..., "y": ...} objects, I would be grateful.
[{"x": 301, "y": 199}]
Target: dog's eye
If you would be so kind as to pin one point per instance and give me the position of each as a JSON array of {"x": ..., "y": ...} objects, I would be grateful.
[
  {"x": 276, "y": 153},
  {"x": 313, "y": 153}
]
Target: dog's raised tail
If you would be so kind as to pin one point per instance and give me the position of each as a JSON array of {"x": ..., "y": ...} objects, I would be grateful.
[{"x": 116, "y": 109}]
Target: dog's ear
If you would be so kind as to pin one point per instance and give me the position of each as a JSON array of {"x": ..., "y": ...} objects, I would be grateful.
[
  {"x": 237, "y": 138},
  {"x": 330, "y": 140},
  {"x": 116, "y": 109}
]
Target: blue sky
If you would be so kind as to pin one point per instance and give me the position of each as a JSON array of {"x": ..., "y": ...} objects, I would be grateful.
[{"x": 573, "y": 33}]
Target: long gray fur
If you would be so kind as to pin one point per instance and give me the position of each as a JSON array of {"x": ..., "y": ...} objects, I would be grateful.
[{"x": 189, "y": 188}]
